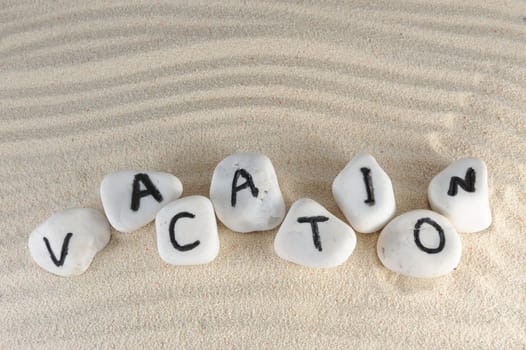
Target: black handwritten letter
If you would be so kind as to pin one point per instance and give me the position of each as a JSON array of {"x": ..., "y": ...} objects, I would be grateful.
[
  {"x": 467, "y": 184},
  {"x": 313, "y": 220},
  {"x": 137, "y": 193},
  {"x": 368, "y": 181},
  {"x": 248, "y": 183},
  {"x": 439, "y": 230},
  {"x": 186, "y": 247},
  {"x": 63, "y": 251}
]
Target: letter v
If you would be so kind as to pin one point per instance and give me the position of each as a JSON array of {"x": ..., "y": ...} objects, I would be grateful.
[{"x": 63, "y": 252}]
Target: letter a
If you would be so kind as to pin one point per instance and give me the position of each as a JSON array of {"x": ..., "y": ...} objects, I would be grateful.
[
  {"x": 249, "y": 183},
  {"x": 137, "y": 193}
]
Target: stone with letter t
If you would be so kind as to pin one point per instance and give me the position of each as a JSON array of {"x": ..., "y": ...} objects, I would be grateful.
[{"x": 311, "y": 236}]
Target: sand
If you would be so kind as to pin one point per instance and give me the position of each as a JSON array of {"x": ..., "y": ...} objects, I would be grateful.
[{"x": 89, "y": 87}]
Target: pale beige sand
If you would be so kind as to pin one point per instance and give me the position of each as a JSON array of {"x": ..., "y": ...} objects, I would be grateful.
[{"x": 91, "y": 87}]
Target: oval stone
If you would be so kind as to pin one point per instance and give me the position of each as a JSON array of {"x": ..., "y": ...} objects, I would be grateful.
[{"x": 419, "y": 243}]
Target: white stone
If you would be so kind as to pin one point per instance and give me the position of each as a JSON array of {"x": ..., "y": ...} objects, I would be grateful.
[
  {"x": 367, "y": 208},
  {"x": 257, "y": 208},
  {"x": 398, "y": 245},
  {"x": 297, "y": 242},
  {"x": 187, "y": 231},
  {"x": 467, "y": 208},
  {"x": 74, "y": 236},
  {"x": 116, "y": 191}
]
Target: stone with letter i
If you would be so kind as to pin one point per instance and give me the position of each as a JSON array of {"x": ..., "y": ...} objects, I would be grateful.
[{"x": 364, "y": 193}]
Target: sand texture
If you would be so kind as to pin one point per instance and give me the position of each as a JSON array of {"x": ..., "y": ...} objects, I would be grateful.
[{"x": 92, "y": 87}]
